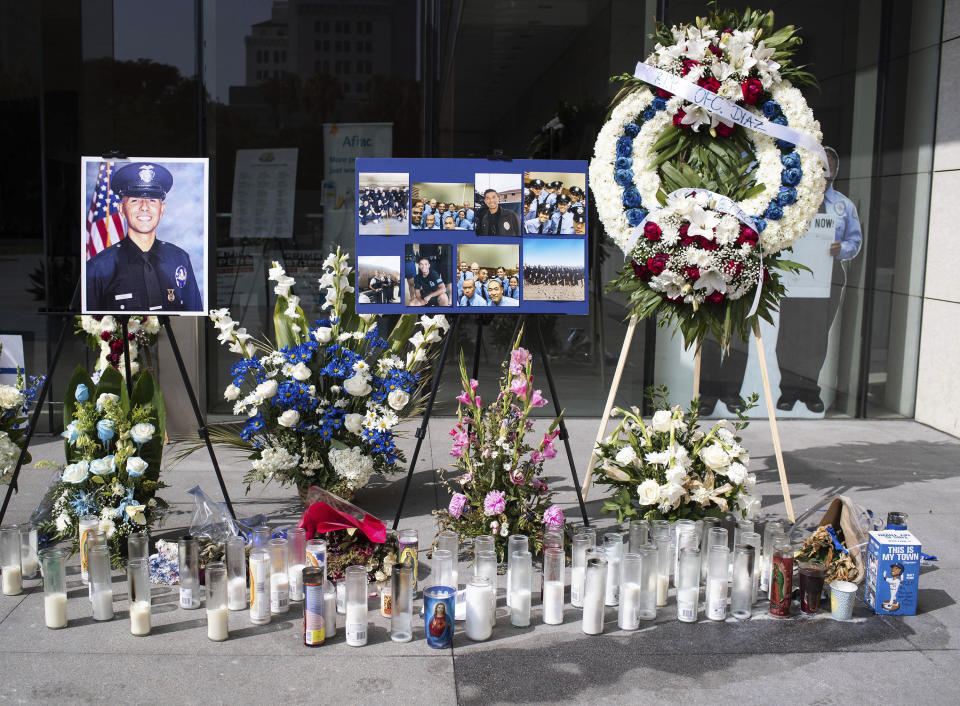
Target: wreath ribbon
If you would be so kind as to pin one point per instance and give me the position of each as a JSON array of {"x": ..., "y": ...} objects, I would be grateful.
[{"x": 728, "y": 110}]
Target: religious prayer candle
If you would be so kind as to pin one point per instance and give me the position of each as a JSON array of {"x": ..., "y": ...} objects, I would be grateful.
[
  {"x": 776, "y": 537},
  {"x": 408, "y": 542},
  {"x": 553, "y": 566},
  {"x": 781, "y": 578},
  {"x": 613, "y": 551},
  {"x": 752, "y": 539},
  {"x": 101, "y": 583},
  {"x": 772, "y": 528},
  {"x": 485, "y": 565},
  {"x": 357, "y": 617},
  {"x": 316, "y": 557},
  {"x": 628, "y": 616},
  {"x": 401, "y": 612},
  {"x": 86, "y": 525},
  {"x": 259, "y": 586},
  {"x": 261, "y": 535},
  {"x": 29, "y": 562},
  {"x": 138, "y": 545},
  {"x": 647, "y": 609},
  {"x": 553, "y": 539},
  {"x": 450, "y": 541},
  {"x": 706, "y": 524},
  {"x": 741, "y": 598},
  {"x": 595, "y": 588},
  {"x": 54, "y": 587},
  {"x": 236, "y": 552},
  {"x": 330, "y": 608},
  {"x": 189, "y": 568},
  {"x": 314, "y": 621},
  {"x": 639, "y": 534},
  {"x": 521, "y": 570},
  {"x": 684, "y": 535},
  {"x": 479, "y": 608},
  {"x": 688, "y": 584},
  {"x": 279, "y": 576},
  {"x": 578, "y": 566},
  {"x": 484, "y": 543},
  {"x": 718, "y": 578},
  {"x": 138, "y": 592},
  {"x": 296, "y": 561},
  {"x": 218, "y": 617},
  {"x": 661, "y": 536},
  {"x": 515, "y": 543},
  {"x": 10, "y": 561}
]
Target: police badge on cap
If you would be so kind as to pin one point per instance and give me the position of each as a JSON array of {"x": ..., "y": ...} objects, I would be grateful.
[
  {"x": 579, "y": 214},
  {"x": 143, "y": 179},
  {"x": 537, "y": 184}
]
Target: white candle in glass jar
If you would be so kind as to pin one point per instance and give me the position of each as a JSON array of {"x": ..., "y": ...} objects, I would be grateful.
[
  {"x": 330, "y": 611},
  {"x": 218, "y": 624},
  {"x": 629, "y": 616},
  {"x": 479, "y": 614},
  {"x": 102, "y": 605},
  {"x": 356, "y": 624},
  {"x": 296, "y": 581},
  {"x": 687, "y": 604},
  {"x": 577, "y": 574},
  {"x": 237, "y": 593},
  {"x": 716, "y": 599},
  {"x": 55, "y": 610},
  {"x": 12, "y": 580},
  {"x": 553, "y": 602},
  {"x": 663, "y": 583},
  {"x": 279, "y": 593},
  {"x": 29, "y": 565},
  {"x": 140, "y": 618},
  {"x": 520, "y": 608}
]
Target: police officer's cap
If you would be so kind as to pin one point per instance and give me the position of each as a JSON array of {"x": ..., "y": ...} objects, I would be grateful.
[
  {"x": 143, "y": 179},
  {"x": 544, "y": 208},
  {"x": 563, "y": 198},
  {"x": 555, "y": 184},
  {"x": 537, "y": 184},
  {"x": 579, "y": 214},
  {"x": 576, "y": 191}
]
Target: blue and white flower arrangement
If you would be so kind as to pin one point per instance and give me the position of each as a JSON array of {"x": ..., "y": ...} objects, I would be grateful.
[
  {"x": 321, "y": 404},
  {"x": 15, "y": 403}
]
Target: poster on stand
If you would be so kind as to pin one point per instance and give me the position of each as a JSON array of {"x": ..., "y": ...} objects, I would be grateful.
[
  {"x": 455, "y": 235},
  {"x": 11, "y": 358},
  {"x": 264, "y": 189},
  {"x": 144, "y": 235}
]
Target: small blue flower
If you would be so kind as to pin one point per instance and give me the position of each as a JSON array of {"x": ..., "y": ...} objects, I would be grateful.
[
  {"x": 790, "y": 160},
  {"x": 635, "y": 216},
  {"x": 774, "y": 211},
  {"x": 771, "y": 110},
  {"x": 787, "y": 196},
  {"x": 623, "y": 177},
  {"x": 623, "y": 163},
  {"x": 658, "y": 103},
  {"x": 105, "y": 431},
  {"x": 81, "y": 394},
  {"x": 631, "y": 130},
  {"x": 71, "y": 432},
  {"x": 631, "y": 197},
  {"x": 791, "y": 176},
  {"x": 624, "y": 147},
  {"x": 649, "y": 114}
]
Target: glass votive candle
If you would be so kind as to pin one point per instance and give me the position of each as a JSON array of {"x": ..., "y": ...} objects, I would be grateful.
[
  {"x": 330, "y": 608},
  {"x": 716, "y": 537},
  {"x": 279, "y": 576},
  {"x": 101, "y": 583},
  {"x": 811, "y": 585},
  {"x": 484, "y": 543},
  {"x": 628, "y": 615},
  {"x": 296, "y": 561},
  {"x": 521, "y": 570},
  {"x": 661, "y": 536},
  {"x": 261, "y": 535},
  {"x": 189, "y": 568},
  {"x": 718, "y": 579},
  {"x": 438, "y": 607},
  {"x": 442, "y": 568},
  {"x": 688, "y": 585},
  {"x": 554, "y": 563},
  {"x": 744, "y": 566},
  {"x": 54, "y": 587},
  {"x": 236, "y": 554},
  {"x": 647, "y": 609},
  {"x": 687, "y": 539},
  {"x": 553, "y": 539},
  {"x": 515, "y": 543},
  {"x": 706, "y": 524},
  {"x": 578, "y": 566},
  {"x": 138, "y": 545},
  {"x": 29, "y": 561},
  {"x": 679, "y": 528},
  {"x": 485, "y": 564},
  {"x": 314, "y": 620},
  {"x": 741, "y": 527},
  {"x": 138, "y": 593},
  {"x": 218, "y": 616},
  {"x": 409, "y": 550},
  {"x": 10, "y": 560},
  {"x": 316, "y": 555},
  {"x": 450, "y": 541},
  {"x": 752, "y": 539},
  {"x": 639, "y": 534},
  {"x": 357, "y": 617},
  {"x": 260, "y": 565},
  {"x": 480, "y": 618},
  {"x": 613, "y": 551},
  {"x": 86, "y": 525},
  {"x": 594, "y": 592},
  {"x": 781, "y": 579},
  {"x": 770, "y": 529},
  {"x": 401, "y": 613},
  {"x": 769, "y": 551}
]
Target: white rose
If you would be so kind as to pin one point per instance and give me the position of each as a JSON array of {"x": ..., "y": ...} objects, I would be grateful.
[
  {"x": 289, "y": 418},
  {"x": 267, "y": 389},
  {"x": 75, "y": 472},
  {"x": 662, "y": 420},
  {"x": 715, "y": 457},
  {"x": 323, "y": 334},
  {"x": 737, "y": 473},
  {"x": 106, "y": 398},
  {"x": 398, "y": 399},
  {"x": 136, "y": 466},
  {"x": 232, "y": 393},
  {"x": 670, "y": 495},
  {"x": 357, "y": 386},
  {"x": 10, "y": 397},
  {"x": 648, "y": 492},
  {"x": 108, "y": 324},
  {"x": 301, "y": 372},
  {"x": 353, "y": 423},
  {"x": 626, "y": 456}
]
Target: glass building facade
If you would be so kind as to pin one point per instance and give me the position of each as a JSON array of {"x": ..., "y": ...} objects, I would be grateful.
[{"x": 458, "y": 78}]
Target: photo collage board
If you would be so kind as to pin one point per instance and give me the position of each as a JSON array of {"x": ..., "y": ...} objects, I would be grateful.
[{"x": 461, "y": 235}]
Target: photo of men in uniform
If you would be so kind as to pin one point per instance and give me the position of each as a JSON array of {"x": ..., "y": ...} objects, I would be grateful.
[
  {"x": 442, "y": 206},
  {"x": 550, "y": 200},
  {"x": 554, "y": 270},
  {"x": 383, "y": 203},
  {"x": 427, "y": 268},
  {"x": 145, "y": 236},
  {"x": 378, "y": 279},
  {"x": 498, "y": 202},
  {"x": 485, "y": 273}
]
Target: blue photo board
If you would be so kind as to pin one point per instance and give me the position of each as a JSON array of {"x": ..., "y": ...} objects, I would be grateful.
[{"x": 462, "y": 235}]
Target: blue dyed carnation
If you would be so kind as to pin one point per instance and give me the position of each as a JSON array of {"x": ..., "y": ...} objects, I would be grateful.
[
  {"x": 623, "y": 163},
  {"x": 631, "y": 130},
  {"x": 624, "y": 147},
  {"x": 785, "y": 146},
  {"x": 631, "y": 197},
  {"x": 779, "y": 120},
  {"x": 771, "y": 109},
  {"x": 658, "y": 103},
  {"x": 791, "y": 176},
  {"x": 787, "y": 196},
  {"x": 623, "y": 177},
  {"x": 790, "y": 160},
  {"x": 759, "y": 224},
  {"x": 648, "y": 114},
  {"x": 635, "y": 216},
  {"x": 774, "y": 211}
]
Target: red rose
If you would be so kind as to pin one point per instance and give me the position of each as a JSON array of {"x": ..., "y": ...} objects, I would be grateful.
[
  {"x": 766, "y": 274},
  {"x": 723, "y": 130},
  {"x": 678, "y": 120},
  {"x": 689, "y": 64},
  {"x": 748, "y": 235},
  {"x": 116, "y": 346},
  {"x": 751, "y": 89},
  {"x": 651, "y": 231},
  {"x": 715, "y": 50},
  {"x": 691, "y": 273},
  {"x": 640, "y": 271},
  {"x": 657, "y": 263},
  {"x": 664, "y": 94},
  {"x": 711, "y": 84},
  {"x": 113, "y": 359},
  {"x": 686, "y": 240},
  {"x": 715, "y": 298},
  {"x": 105, "y": 336},
  {"x": 707, "y": 243}
]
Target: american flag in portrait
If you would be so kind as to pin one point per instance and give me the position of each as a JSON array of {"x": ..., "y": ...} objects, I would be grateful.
[{"x": 104, "y": 225}]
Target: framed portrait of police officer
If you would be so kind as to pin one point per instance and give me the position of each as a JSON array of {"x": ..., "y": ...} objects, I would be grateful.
[{"x": 144, "y": 235}]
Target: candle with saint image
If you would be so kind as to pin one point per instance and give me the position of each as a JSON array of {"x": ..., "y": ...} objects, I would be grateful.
[
  {"x": 101, "y": 583},
  {"x": 259, "y": 586},
  {"x": 582, "y": 542},
  {"x": 279, "y": 576},
  {"x": 688, "y": 584},
  {"x": 521, "y": 563},
  {"x": 770, "y": 531},
  {"x": 236, "y": 554},
  {"x": 29, "y": 563},
  {"x": 138, "y": 593},
  {"x": 296, "y": 561},
  {"x": 54, "y": 587},
  {"x": 661, "y": 536},
  {"x": 595, "y": 588},
  {"x": 218, "y": 618},
  {"x": 86, "y": 525},
  {"x": 553, "y": 565},
  {"x": 10, "y": 561}
]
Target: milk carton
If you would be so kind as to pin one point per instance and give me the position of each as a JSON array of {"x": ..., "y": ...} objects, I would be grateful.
[{"x": 893, "y": 572}]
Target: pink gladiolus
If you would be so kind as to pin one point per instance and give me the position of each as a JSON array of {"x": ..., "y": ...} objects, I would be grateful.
[
  {"x": 518, "y": 360},
  {"x": 464, "y": 398},
  {"x": 548, "y": 450},
  {"x": 477, "y": 401},
  {"x": 473, "y": 385},
  {"x": 536, "y": 457},
  {"x": 537, "y": 400},
  {"x": 518, "y": 386}
]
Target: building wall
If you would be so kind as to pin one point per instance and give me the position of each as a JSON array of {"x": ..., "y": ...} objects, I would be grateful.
[{"x": 938, "y": 385}]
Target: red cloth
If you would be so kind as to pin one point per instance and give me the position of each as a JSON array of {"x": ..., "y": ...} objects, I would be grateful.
[{"x": 320, "y": 518}]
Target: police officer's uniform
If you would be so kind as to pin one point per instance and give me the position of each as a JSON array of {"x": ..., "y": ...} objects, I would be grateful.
[
  {"x": 503, "y": 222},
  {"x": 123, "y": 277},
  {"x": 563, "y": 221},
  {"x": 534, "y": 225},
  {"x": 428, "y": 285}
]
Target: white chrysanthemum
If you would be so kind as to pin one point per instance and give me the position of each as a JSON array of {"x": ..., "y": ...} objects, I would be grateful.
[{"x": 352, "y": 466}]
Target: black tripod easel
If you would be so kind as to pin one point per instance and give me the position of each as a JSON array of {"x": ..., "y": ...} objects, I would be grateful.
[{"x": 435, "y": 385}]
